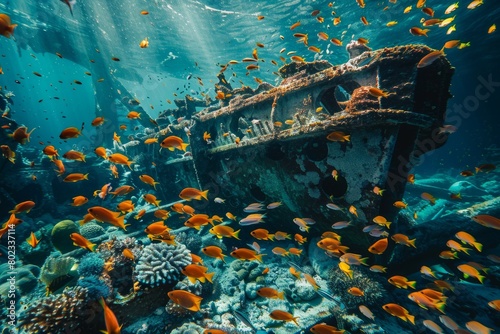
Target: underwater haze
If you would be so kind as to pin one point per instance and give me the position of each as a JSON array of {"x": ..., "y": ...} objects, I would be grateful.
[{"x": 249, "y": 166}]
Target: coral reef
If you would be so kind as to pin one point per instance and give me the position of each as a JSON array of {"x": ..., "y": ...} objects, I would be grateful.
[
  {"x": 92, "y": 230},
  {"x": 192, "y": 240},
  {"x": 373, "y": 290},
  {"x": 188, "y": 328},
  {"x": 161, "y": 263},
  {"x": 65, "y": 313},
  {"x": 60, "y": 236},
  {"x": 90, "y": 265},
  {"x": 96, "y": 288}
]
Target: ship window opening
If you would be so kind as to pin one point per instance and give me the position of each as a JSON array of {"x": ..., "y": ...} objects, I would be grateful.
[
  {"x": 334, "y": 188},
  {"x": 258, "y": 194},
  {"x": 316, "y": 150}
]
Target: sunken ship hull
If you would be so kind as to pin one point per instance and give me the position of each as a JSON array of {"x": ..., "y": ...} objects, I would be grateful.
[{"x": 273, "y": 146}]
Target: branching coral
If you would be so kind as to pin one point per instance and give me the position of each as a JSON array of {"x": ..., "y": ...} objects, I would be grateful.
[
  {"x": 162, "y": 263},
  {"x": 65, "y": 313}
]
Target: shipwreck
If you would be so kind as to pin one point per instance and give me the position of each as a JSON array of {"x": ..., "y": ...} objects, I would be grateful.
[{"x": 270, "y": 144}]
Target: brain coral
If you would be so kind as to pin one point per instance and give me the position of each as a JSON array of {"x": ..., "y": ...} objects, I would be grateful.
[
  {"x": 162, "y": 263},
  {"x": 92, "y": 230}
]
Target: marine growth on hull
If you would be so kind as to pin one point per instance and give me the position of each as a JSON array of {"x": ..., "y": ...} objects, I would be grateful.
[{"x": 151, "y": 185}]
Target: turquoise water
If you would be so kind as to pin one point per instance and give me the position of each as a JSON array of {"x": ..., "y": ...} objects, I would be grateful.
[{"x": 63, "y": 70}]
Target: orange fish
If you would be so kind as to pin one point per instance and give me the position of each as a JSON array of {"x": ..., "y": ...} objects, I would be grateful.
[
  {"x": 6, "y": 27},
  {"x": 283, "y": 316},
  {"x": 193, "y": 193},
  {"x": 487, "y": 221},
  {"x": 74, "y": 155},
  {"x": 21, "y": 135},
  {"x": 151, "y": 199},
  {"x": 379, "y": 246},
  {"x": 403, "y": 240},
  {"x": 416, "y": 31},
  {"x": 262, "y": 234},
  {"x": 148, "y": 180},
  {"x": 125, "y": 206},
  {"x": 104, "y": 215},
  {"x": 8, "y": 153},
  {"x": 468, "y": 270},
  {"x": 224, "y": 231},
  {"x": 75, "y": 177},
  {"x": 122, "y": 191},
  {"x": 196, "y": 259},
  {"x": 195, "y": 272},
  {"x": 300, "y": 239},
  {"x": 185, "y": 299},
  {"x": 267, "y": 292},
  {"x": 213, "y": 251},
  {"x": 79, "y": 240},
  {"x": 134, "y": 115},
  {"x": 101, "y": 152},
  {"x": 79, "y": 200},
  {"x": 338, "y": 136},
  {"x": 356, "y": 291},
  {"x": 118, "y": 158},
  {"x": 22, "y": 207},
  {"x": 402, "y": 282},
  {"x": 428, "y": 197},
  {"x": 128, "y": 254},
  {"x": 140, "y": 214},
  {"x": 173, "y": 142},
  {"x": 197, "y": 221},
  {"x": 70, "y": 132},
  {"x": 112, "y": 325},
  {"x": 32, "y": 240},
  {"x": 98, "y": 121},
  {"x": 399, "y": 311},
  {"x": 246, "y": 254},
  {"x": 50, "y": 151}
]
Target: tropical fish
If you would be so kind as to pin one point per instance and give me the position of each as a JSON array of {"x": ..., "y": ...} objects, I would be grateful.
[
  {"x": 470, "y": 271},
  {"x": 79, "y": 240},
  {"x": 193, "y": 193},
  {"x": 118, "y": 158},
  {"x": 112, "y": 325},
  {"x": 79, "y": 200},
  {"x": 148, "y": 180},
  {"x": 379, "y": 246},
  {"x": 267, "y": 292},
  {"x": 399, "y": 311},
  {"x": 224, "y": 231},
  {"x": 8, "y": 153},
  {"x": 246, "y": 254},
  {"x": 105, "y": 215},
  {"x": 173, "y": 142},
  {"x": 32, "y": 240},
  {"x": 6, "y": 27},
  {"x": 402, "y": 282},
  {"x": 25, "y": 206},
  {"x": 185, "y": 299},
  {"x": 21, "y": 134},
  {"x": 75, "y": 177},
  {"x": 283, "y": 316},
  {"x": 196, "y": 272},
  {"x": 488, "y": 221},
  {"x": 213, "y": 251},
  {"x": 466, "y": 238}
]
